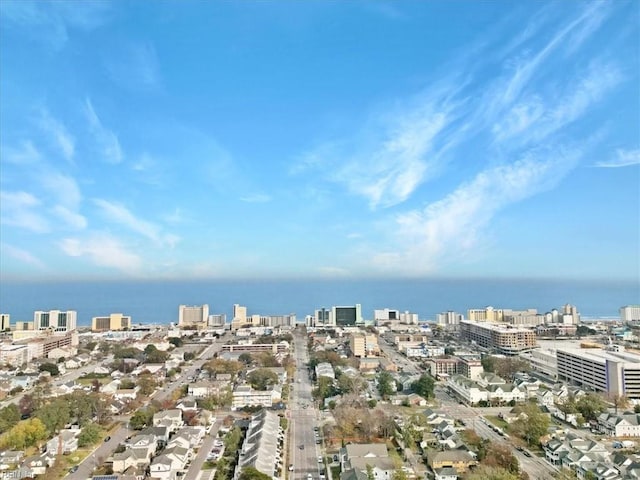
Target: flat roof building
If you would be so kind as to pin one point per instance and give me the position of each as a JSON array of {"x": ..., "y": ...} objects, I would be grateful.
[
  {"x": 617, "y": 373},
  {"x": 114, "y": 322},
  {"x": 504, "y": 338}
]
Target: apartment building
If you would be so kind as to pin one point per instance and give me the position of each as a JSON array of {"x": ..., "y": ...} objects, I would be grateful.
[
  {"x": 617, "y": 373},
  {"x": 488, "y": 314},
  {"x": 114, "y": 322},
  {"x": 364, "y": 344},
  {"x": 630, "y": 313},
  {"x": 195, "y": 316},
  {"x": 469, "y": 366},
  {"x": 241, "y": 319},
  {"x": 503, "y": 338},
  {"x": 55, "y": 320}
]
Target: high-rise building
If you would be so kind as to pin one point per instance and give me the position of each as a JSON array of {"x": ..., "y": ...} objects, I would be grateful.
[
  {"x": 55, "y": 320},
  {"x": 630, "y": 313},
  {"x": 114, "y": 322},
  {"x": 347, "y": 315},
  {"x": 217, "y": 320},
  {"x": 488, "y": 314},
  {"x": 364, "y": 344},
  {"x": 5, "y": 322},
  {"x": 449, "y": 320},
  {"x": 195, "y": 316}
]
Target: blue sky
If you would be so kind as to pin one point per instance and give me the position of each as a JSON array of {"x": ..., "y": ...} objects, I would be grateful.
[{"x": 319, "y": 139}]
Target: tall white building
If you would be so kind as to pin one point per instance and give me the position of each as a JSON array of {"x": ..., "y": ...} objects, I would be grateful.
[
  {"x": 193, "y": 316},
  {"x": 630, "y": 313},
  {"x": 55, "y": 320},
  {"x": 449, "y": 320}
]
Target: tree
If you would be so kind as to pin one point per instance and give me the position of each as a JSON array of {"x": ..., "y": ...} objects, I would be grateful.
[
  {"x": 424, "y": 386},
  {"x": 52, "y": 368},
  {"x": 26, "y": 433},
  {"x": 568, "y": 405},
  {"x": 532, "y": 424},
  {"x": 89, "y": 435},
  {"x": 485, "y": 472},
  {"x": 245, "y": 358},
  {"x": 262, "y": 378},
  {"x": 153, "y": 355},
  {"x": 507, "y": 367},
  {"x": 619, "y": 402},
  {"x": 488, "y": 363},
  {"x": 636, "y": 408},
  {"x": 54, "y": 415},
  {"x": 399, "y": 474},
  {"x": 250, "y": 473},
  {"x": 590, "y": 406},
  {"x": 147, "y": 384},
  {"x": 325, "y": 388},
  {"x": 188, "y": 356},
  {"x": 26, "y": 405},
  {"x": 9, "y": 416},
  {"x": 142, "y": 418},
  {"x": 501, "y": 455},
  {"x": 176, "y": 341},
  {"x": 385, "y": 384}
]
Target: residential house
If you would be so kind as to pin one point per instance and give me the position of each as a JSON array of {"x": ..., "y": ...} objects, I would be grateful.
[
  {"x": 172, "y": 419},
  {"x": 64, "y": 442},
  {"x": 362, "y": 456},
  {"x": 446, "y": 473},
  {"x": 621, "y": 425},
  {"x": 460, "y": 460}
]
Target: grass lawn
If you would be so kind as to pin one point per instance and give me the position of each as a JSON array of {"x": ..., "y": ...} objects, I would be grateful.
[
  {"x": 89, "y": 381},
  {"x": 335, "y": 472},
  {"x": 497, "y": 421},
  {"x": 208, "y": 465}
]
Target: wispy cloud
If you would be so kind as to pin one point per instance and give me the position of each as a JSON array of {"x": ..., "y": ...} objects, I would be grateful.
[
  {"x": 536, "y": 117},
  {"x": 25, "y": 154},
  {"x": 52, "y": 22},
  {"x": 119, "y": 214},
  {"x": 453, "y": 225},
  {"x": 21, "y": 209},
  {"x": 103, "y": 250},
  {"x": 623, "y": 158},
  {"x": 66, "y": 193},
  {"x": 106, "y": 140},
  {"x": 256, "y": 198},
  {"x": 59, "y": 134},
  {"x": 21, "y": 255},
  {"x": 393, "y": 154}
]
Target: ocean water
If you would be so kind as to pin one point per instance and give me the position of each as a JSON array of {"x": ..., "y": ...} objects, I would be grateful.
[{"x": 157, "y": 302}]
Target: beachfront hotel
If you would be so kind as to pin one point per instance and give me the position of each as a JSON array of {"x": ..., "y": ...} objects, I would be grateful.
[{"x": 114, "y": 322}]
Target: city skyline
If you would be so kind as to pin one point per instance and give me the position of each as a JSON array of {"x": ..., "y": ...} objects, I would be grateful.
[{"x": 319, "y": 140}]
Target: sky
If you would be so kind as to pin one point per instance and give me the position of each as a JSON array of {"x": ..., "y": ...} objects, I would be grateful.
[{"x": 151, "y": 140}]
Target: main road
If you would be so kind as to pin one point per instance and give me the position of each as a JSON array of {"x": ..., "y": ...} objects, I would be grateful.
[{"x": 304, "y": 452}]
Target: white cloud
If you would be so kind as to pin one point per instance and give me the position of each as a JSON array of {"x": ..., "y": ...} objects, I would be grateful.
[
  {"x": 103, "y": 250},
  {"x": 454, "y": 225},
  {"x": 61, "y": 137},
  {"x": 63, "y": 187},
  {"x": 623, "y": 158},
  {"x": 121, "y": 215},
  {"x": 106, "y": 140},
  {"x": 535, "y": 118},
  {"x": 21, "y": 255},
  {"x": 393, "y": 154},
  {"x": 25, "y": 154},
  {"x": 70, "y": 217},
  {"x": 51, "y": 22},
  {"x": 19, "y": 209}
]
